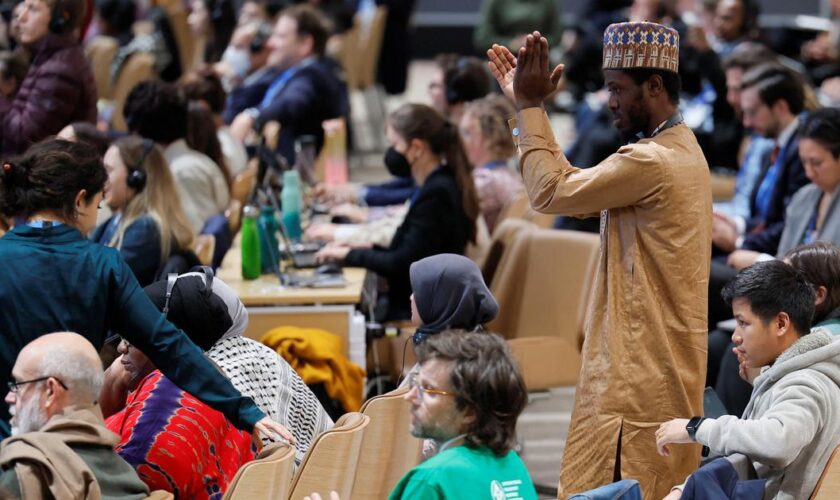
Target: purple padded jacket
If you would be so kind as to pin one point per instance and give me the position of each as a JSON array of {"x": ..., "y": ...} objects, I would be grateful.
[{"x": 58, "y": 90}]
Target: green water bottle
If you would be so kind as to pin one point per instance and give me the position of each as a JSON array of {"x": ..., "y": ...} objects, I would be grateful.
[{"x": 250, "y": 244}]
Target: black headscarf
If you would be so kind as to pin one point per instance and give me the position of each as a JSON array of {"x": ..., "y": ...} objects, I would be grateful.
[
  {"x": 194, "y": 308},
  {"x": 449, "y": 292}
]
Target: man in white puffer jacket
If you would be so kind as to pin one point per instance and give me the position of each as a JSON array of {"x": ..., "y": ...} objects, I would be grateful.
[{"x": 792, "y": 422}]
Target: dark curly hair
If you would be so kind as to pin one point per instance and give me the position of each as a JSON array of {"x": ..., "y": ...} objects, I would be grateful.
[
  {"x": 486, "y": 379},
  {"x": 49, "y": 176},
  {"x": 156, "y": 110}
]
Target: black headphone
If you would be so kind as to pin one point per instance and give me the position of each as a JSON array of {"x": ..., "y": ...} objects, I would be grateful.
[
  {"x": 172, "y": 278},
  {"x": 260, "y": 38},
  {"x": 58, "y": 18},
  {"x": 466, "y": 81},
  {"x": 136, "y": 175}
]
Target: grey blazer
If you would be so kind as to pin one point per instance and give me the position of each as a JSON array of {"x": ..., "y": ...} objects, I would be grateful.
[{"x": 799, "y": 213}]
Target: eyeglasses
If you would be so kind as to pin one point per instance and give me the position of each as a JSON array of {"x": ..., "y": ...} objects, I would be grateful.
[
  {"x": 15, "y": 386},
  {"x": 422, "y": 390}
]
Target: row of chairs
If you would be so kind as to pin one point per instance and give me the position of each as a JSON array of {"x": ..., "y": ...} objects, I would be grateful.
[
  {"x": 362, "y": 457},
  {"x": 138, "y": 67}
]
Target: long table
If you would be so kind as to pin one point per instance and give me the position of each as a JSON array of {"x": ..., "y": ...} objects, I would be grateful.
[{"x": 271, "y": 304}]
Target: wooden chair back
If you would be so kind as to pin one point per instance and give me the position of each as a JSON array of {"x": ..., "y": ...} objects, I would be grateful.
[
  {"x": 267, "y": 477},
  {"x": 360, "y": 51},
  {"x": 544, "y": 289},
  {"x": 137, "y": 68},
  {"x": 100, "y": 52},
  {"x": 828, "y": 486},
  {"x": 330, "y": 463},
  {"x": 389, "y": 451}
]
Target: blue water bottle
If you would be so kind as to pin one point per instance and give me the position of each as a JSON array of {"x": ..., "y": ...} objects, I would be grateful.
[
  {"x": 269, "y": 246},
  {"x": 291, "y": 199}
]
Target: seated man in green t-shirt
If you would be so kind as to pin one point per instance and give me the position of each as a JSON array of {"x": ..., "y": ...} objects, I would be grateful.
[{"x": 466, "y": 396}]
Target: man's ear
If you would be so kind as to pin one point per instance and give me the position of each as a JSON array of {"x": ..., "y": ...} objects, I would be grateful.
[
  {"x": 469, "y": 417},
  {"x": 51, "y": 393},
  {"x": 307, "y": 44},
  {"x": 780, "y": 107},
  {"x": 655, "y": 85},
  {"x": 821, "y": 293},
  {"x": 783, "y": 323}
]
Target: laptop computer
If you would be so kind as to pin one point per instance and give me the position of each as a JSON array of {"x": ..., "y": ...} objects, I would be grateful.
[{"x": 302, "y": 254}]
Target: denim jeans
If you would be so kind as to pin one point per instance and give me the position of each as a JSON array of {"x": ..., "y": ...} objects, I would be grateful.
[{"x": 626, "y": 489}]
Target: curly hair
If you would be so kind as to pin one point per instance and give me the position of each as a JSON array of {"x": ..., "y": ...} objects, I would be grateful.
[
  {"x": 156, "y": 110},
  {"x": 486, "y": 379}
]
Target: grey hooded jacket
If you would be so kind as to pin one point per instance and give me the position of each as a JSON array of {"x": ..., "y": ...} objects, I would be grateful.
[{"x": 792, "y": 422}]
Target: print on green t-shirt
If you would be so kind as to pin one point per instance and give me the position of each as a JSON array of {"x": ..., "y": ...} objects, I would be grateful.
[{"x": 464, "y": 472}]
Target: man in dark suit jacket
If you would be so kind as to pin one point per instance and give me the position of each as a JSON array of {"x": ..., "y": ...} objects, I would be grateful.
[
  {"x": 771, "y": 99},
  {"x": 308, "y": 91}
]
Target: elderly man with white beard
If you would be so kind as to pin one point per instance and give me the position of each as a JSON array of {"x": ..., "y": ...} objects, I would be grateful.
[{"x": 59, "y": 446}]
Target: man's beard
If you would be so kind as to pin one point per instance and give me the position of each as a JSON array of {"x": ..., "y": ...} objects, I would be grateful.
[{"x": 31, "y": 418}]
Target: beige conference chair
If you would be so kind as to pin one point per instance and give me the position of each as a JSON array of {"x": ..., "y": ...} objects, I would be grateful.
[
  {"x": 543, "y": 289},
  {"x": 267, "y": 477},
  {"x": 828, "y": 487},
  {"x": 330, "y": 463},
  {"x": 389, "y": 451},
  {"x": 100, "y": 52}
]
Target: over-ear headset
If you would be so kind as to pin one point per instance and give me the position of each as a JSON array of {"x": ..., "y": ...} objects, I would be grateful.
[
  {"x": 260, "y": 38},
  {"x": 136, "y": 178},
  {"x": 58, "y": 18},
  {"x": 466, "y": 81}
]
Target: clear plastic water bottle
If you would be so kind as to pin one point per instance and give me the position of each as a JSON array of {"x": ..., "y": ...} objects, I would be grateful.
[
  {"x": 250, "y": 244},
  {"x": 292, "y": 202}
]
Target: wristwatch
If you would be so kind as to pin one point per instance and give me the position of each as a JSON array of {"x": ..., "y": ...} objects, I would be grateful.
[{"x": 692, "y": 426}]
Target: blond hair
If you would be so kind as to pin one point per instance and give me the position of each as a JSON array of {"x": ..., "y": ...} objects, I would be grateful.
[
  {"x": 158, "y": 199},
  {"x": 491, "y": 113}
]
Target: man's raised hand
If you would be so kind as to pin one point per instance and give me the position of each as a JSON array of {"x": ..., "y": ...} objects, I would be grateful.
[
  {"x": 503, "y": 66},
  {"x": 532, "y": 82}
]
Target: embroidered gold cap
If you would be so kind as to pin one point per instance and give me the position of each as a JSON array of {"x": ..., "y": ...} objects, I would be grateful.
[{"x": 641, "y": 45}]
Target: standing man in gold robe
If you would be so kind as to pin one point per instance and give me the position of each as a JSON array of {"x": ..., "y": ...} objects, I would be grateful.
[{"x": 644, "y": 356}]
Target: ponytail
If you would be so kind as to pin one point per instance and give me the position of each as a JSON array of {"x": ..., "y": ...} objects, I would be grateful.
[{"x": 457, "y": 161}]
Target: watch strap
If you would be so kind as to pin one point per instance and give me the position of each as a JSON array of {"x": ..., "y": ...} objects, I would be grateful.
[{"x": 692, "y": 426}]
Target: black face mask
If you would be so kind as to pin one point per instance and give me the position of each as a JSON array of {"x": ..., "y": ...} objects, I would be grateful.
[{"x": 396, "y": 163}]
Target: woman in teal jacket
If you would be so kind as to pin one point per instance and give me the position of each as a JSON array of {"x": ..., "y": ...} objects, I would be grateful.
[{"x": 54, "y": 279}]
